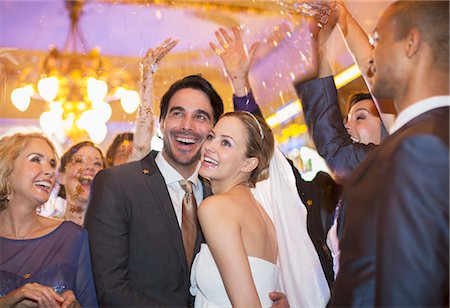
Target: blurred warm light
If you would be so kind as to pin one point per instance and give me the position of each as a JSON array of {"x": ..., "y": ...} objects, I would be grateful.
[
  {"x": 48, "y": 88},
  {"x": 292, "y": 109},
  {"x": 21, "y": 99},
  {"x": 49, "y": 122},
  {"x": 97, "y": 131},
  {"x": 292, "y": 131},
  {"x": 286, "y": 112},
  {"x": 75, "y": 84},
  {"x": 96, "y": 89},
  {"x": 347, "y": 76},
  {"x": 85, "y": 119},
  {"x": 103, "y": 110},
  {"x": 129, "y": 101}
]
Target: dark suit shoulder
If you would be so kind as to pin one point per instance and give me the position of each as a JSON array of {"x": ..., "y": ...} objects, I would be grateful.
[
  {"x": 146, "y": 165},
  {"x": 434, "y": 122}
]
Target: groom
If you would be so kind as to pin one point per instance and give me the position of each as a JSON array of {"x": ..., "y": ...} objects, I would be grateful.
[{"x": 134, "y": 213}]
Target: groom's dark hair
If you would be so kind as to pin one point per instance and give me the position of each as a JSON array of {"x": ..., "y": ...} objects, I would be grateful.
[{"x": 196, "y": 82}]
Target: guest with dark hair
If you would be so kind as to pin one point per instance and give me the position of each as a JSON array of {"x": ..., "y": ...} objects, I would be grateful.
[
  {"x": 79, "y": 165},
  {"x": 363, "y": 122},
  {"x": 43, "y": 262},
  {"x": 403, "y": 186},
  {"x": 120, "y": 149}
]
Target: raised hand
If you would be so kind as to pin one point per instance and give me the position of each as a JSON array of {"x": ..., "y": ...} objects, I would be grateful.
[
  {"x": 235, "y": 58},
  {"x": 153, "y": 56},
  {"x": 144, "y": 120}
]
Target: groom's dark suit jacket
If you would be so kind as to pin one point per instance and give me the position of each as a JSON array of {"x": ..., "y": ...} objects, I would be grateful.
[{"x": 136, "y": 244}]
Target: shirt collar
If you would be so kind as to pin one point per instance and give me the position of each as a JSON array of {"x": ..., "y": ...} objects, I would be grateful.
[
  {"x": 171, "y": 175},
  {"x": 417, "y": 109}
]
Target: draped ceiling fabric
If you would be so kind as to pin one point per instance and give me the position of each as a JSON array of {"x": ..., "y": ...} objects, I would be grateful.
[{"x": 124, "y": 29}]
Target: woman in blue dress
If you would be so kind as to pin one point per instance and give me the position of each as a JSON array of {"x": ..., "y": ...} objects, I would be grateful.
[{"x": 43, "y": 262}]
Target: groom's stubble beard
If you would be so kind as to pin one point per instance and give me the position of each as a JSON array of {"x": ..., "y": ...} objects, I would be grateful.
[{"x": 189, "y": 162}]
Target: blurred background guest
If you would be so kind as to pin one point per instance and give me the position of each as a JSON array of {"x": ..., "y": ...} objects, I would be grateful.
[
  {"x": 79, "y": 164},
  {"x": 120, "y": 149}
]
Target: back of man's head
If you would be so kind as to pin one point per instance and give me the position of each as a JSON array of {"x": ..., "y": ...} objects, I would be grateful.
[
  {"x": 196, "y": 82},
  {"x": 431, "y": 19}
]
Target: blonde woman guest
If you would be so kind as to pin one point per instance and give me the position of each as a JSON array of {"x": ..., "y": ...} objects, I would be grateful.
[{"x": 43, "y": 262}]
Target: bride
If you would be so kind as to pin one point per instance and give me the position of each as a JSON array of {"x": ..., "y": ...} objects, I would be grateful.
[
  {"x": 240, "y": 235},
  {"x": 247, "y": 255}
]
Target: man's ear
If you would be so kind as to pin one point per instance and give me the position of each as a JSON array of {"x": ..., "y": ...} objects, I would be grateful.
[
  {"x": 414, "y": 40},
  {"x": 250, "y": 164},
  {"x": 161, "y": 125}
]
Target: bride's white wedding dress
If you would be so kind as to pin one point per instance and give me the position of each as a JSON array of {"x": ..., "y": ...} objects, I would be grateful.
[
  {"x": 300, "y": 274},
  {"x": 208, "y": 288}
]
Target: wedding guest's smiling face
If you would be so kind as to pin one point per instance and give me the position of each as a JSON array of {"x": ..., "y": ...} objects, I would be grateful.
[
  {"x": 33, "y": 175},
  {"x": 188, "y": 121},
  {"x": 224, "y": 151},
  {"x": 363, "y": 124},
  {"x": 80, "y": 171}
]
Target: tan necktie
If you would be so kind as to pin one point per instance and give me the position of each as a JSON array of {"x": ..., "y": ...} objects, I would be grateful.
[{"x": 188, "y": 221}]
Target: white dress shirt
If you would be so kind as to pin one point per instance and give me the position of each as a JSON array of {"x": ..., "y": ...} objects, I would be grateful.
[
  {"x": 172, "y": 178},
  {"x": 419, "y": 108}
]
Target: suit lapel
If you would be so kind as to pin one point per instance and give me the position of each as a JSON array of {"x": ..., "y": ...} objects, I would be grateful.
[{"x": 158, "y": 189}]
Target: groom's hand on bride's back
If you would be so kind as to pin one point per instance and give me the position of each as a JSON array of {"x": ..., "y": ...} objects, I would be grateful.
[{"x": 279, "y": 299}]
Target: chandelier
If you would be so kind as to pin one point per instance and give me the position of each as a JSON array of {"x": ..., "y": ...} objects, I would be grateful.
[{"x": 77, "y": 86}]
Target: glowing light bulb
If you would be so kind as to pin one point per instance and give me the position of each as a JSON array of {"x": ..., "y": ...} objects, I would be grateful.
[
  {"x": 20, "y": 99},
  {"x": 96, "y": 89},
  {"x": 86, "y": 119},
  {"x": 48, "y": 122},
  {"x": 130, "y": 101},
  {"x": 104, "y": 111},
  {"x": 48, "y": 88},
  {"x": 119, "y": 92},
  {"x": 97, "y": 132},
  {"x": 56, "y": 108}
]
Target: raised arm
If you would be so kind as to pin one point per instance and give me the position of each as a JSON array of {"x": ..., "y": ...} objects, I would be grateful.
[
  {"x": 355, "y": 37},
  {"x": 323, "y": 116},
  {"x": 144, "y": 121},
  {"x": 237, "y": 61},
  {"x": 360, "y": 47}
]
